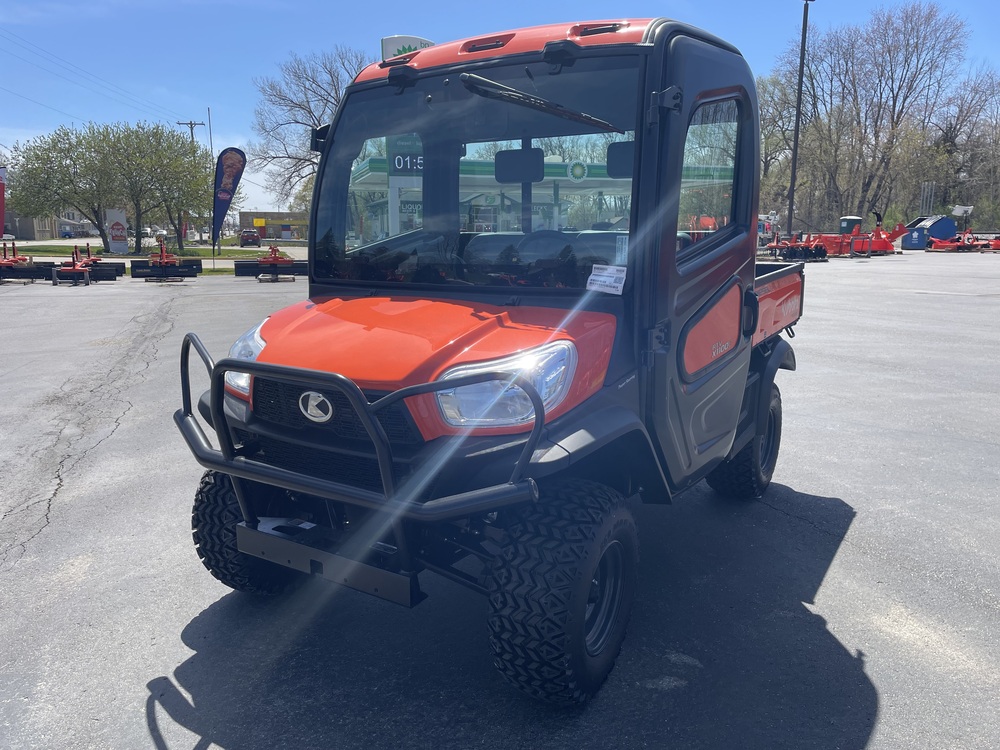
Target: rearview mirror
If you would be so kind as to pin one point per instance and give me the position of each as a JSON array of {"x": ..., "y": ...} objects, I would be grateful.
[
  {"x": 621, "y": 157},
  {"x": 519, "y": 166}
]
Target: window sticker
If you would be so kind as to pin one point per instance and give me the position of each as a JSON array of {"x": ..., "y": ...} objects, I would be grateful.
[
  {"x": 610, "y": 279},
  {"x": 621, "y": 250}
]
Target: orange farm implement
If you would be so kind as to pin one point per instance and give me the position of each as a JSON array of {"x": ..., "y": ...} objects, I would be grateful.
[
  {"x": 272, "y": 267},
  {"x": 164, "y": 266},
  {"x": 965, "y": 242},
  {"x": 813, "y": 247},
  {"x": 85, "y": 268},
  {"x": 22, "y": 268}
]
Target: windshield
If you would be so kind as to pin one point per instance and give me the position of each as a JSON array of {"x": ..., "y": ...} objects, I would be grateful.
[{"x": 517, "y": 176}]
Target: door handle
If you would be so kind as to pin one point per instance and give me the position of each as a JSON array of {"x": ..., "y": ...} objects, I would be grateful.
[{"x": 751, "y": 306}]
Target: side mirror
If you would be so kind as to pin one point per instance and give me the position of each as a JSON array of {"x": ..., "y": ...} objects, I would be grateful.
[
  {"x": 319, "y": 138},
  {"x": 519, "y": 166}
]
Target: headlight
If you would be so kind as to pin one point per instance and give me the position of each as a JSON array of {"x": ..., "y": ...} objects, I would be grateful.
[
  {"x": 496, "y": 403},
  {"x": 248, "y": 347}
]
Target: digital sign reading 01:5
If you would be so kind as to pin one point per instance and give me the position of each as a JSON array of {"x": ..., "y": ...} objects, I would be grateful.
[{"x": 407, "y": 164}]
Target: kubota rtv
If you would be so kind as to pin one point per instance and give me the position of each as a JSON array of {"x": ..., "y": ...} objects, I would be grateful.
[{"x": 510, "y": 335}]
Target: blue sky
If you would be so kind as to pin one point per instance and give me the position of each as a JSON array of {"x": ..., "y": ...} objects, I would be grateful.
[{"x": 66, "y": 62}]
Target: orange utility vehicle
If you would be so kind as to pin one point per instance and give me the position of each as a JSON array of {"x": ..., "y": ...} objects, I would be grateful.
[{"x": 509, "y": 335}]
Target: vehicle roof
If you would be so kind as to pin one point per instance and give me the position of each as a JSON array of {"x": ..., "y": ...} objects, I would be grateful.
[{"x": 502, "y": 44}]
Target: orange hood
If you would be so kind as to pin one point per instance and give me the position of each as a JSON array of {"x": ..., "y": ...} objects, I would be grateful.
[{"x": 385, "y": 343}]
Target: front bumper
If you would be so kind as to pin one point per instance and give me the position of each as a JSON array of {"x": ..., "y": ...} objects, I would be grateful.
[{"x": 227, "y": 459}]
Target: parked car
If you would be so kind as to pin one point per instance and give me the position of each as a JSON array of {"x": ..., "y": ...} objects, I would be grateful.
[{"x": 249, "y": 237}]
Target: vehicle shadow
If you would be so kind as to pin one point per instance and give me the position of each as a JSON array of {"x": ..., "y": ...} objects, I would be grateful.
[{"x": 721, "y": 653}]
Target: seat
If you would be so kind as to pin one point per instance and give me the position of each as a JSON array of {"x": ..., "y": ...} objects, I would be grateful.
[
  {"x": 490, "y": 248},
  {"x": 599, "y": 247}
]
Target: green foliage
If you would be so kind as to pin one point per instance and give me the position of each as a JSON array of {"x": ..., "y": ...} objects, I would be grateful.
[
  {"x": 150, "y": 170},
  {"x": 302, "y": 199},
  {"x": 65, "y": 169}
]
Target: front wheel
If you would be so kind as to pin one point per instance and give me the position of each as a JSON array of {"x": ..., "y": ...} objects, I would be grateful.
[
  {"x": 748, "y": 473},
  {"x": 214, "y": 519},
  {"x": 561, "y": 592}
]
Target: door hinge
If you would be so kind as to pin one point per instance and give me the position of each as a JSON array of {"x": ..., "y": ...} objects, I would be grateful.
[
  {"x": 657, "y": 342},
  {"x": 669, "y": 99}
]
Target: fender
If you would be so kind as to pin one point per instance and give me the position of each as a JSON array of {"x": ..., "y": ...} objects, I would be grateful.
[
  {"x": 614, "y": 432},
  {"x": 782, "y": 357}
]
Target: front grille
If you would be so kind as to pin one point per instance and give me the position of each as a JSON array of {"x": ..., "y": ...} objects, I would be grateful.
[
  {"x": 278, "y": 402},
  {"x": 352, "y": 470}
]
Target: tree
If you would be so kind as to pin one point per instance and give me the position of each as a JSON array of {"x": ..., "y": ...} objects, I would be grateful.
[
  {"x": 886, "y": 106},
  {"x": 962, "y": 135},
  {"x": 148, "y": 167},
  {"x": 66, "y": 169},
  {"x": 302, "y": 199},
  {"x": 138, "y": 157},
  {"x": 304, "y": 97},
  {"x": 185, "y": 180},
  {"x": 777, "y": 117}
]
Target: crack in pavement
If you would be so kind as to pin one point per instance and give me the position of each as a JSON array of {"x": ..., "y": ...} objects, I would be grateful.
[{"x": 82, "y": 411}]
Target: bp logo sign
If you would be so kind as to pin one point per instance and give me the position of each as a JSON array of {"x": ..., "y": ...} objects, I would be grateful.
[
  {"x": 576, "y": 171},
  {"x": 393, "y": 46}
]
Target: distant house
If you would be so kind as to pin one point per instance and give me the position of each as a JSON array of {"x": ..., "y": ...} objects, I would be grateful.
[
  {"x": 69, "y": 223},
  {"x": 27, "y": 228}
]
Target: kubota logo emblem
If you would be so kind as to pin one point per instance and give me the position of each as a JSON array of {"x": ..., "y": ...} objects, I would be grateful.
[{"x": 315, "y": 407}]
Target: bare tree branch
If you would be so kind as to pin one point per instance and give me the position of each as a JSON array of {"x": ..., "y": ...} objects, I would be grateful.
[{"x": 304, "y": 96}]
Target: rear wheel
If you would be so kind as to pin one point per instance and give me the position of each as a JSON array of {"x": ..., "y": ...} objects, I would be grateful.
[
  {"x": 213, "y": 522},
  {"x": 561, "y": 592},
  {"x": 748, "y": 473}
]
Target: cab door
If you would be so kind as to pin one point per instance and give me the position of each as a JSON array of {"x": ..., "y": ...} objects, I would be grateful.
[{"x": 702, "y": 307}]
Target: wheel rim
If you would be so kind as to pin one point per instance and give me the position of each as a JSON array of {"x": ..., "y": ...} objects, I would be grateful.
[{"x": 604, "y": 599}]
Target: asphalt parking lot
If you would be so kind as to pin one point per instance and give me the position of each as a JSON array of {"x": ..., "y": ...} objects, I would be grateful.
[{"x": 856, "y": 605}]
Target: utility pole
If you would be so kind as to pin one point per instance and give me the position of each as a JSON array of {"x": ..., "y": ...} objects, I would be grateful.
[
  {"x": 192, "y": 125},
  {"x": 798, "y": 117},
  {"x": 211, "y": 146}
]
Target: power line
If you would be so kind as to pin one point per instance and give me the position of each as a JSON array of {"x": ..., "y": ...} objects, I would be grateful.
[
  {"x": 110, "y": 94},
  {"x": 28, "y": 99},
  {"x": 41, "y": 51},
  {"x": 138, "y": 102}
]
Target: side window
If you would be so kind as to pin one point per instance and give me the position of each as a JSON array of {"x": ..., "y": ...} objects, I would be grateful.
[{"x": 706, "y": 195}]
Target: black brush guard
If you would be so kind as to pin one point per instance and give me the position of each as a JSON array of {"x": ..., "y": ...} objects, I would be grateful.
[{"x": 287, "y": 541}]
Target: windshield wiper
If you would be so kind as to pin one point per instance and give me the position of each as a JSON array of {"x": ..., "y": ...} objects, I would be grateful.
[{"x": 493, "y": 90}]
